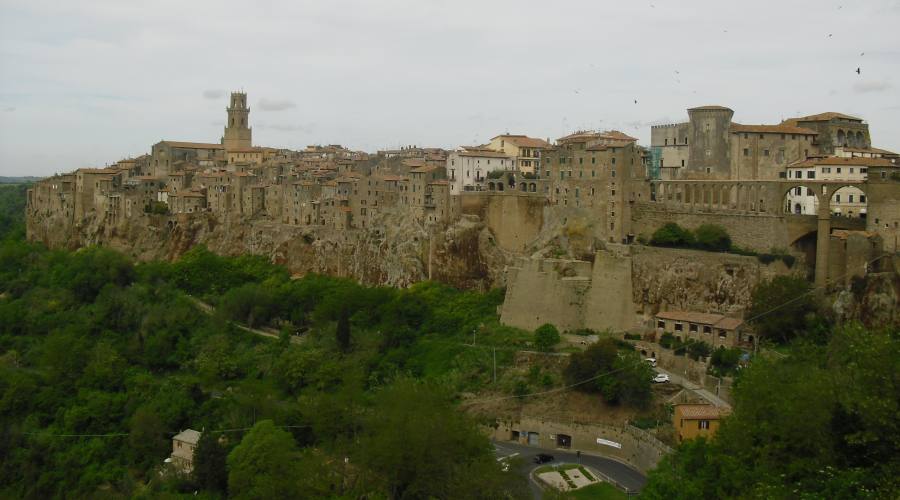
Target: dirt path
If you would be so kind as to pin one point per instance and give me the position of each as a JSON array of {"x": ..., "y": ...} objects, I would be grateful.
[{"x": 267, "y": 332}]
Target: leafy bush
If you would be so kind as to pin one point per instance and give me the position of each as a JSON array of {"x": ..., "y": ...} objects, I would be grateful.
[
  {"x": 545, "y": 337},
  {"x": 725, "y": 361},
  {"x": 621, "y": 376},
  {"x": 672, "y": 235},
  {"x": 712, "y": 237},
  {"x": 697, "y": 349},
  {"x": 779, "y": 307},
  {"x": 632, "y": 336},
  {"x": 667, "y": 340}
]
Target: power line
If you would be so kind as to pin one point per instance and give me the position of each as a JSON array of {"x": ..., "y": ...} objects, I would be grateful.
[{"x": 120, "y": 434}]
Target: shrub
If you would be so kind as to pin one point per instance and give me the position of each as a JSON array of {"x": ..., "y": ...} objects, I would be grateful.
[
  {"x": 157, "y": 207},
  {"x": 672, "y": 235},
  {"x": 697, "y": 350},
  {"x": 632, "y": 336},
  {"x": 667, "y": 340},
  {"x": 725, "y": 360},
  {"x": 712, "y": 237},
  {"x": 545, "y": 337}
]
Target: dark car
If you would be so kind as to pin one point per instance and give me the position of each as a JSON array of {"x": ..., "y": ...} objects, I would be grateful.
[{"x": 542, "y": 458}]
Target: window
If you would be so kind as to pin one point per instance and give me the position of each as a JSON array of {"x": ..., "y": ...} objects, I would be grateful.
[
  {"x": 850, "y": 198},
  {"x": 765, "y": 152},
  {"x": 707, "y": 329},
  {"x": 745, "y": 135},
  {"x": 679, "y": 327},
  {"x": 746, "y": 151},
  {"x": 703, "y": 424},
  {"x": 593, "y": 160},
  {"x": 685, "y": 139},
  {"x": 782, "y": 137},
  {"x": 798, "y": 191},
  {"x": 838, "y": 169},
  {"x": 580, "y": 161},
  {"x": 862, "y": 198},
  {"x": 693, "y": 328},
  {"x": 810, "y": 174},
  {"x": 863, "y": 170},
  {"x": 661, "y": 324},
  {"x": 851, "y": 170},
  {"x": 760, "y": 136},
  {"x": 837, "y": 198},
  {"x": 798, "y": 174},
  {"x": 666, "y": 142},
  {"x": 682, "y": 163},
  {"x": 613, "y": 161},
  {"x": 809, "y": 192}
]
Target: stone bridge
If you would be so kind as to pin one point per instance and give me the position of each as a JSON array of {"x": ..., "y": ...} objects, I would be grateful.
[{"x": 764, "y": 198}]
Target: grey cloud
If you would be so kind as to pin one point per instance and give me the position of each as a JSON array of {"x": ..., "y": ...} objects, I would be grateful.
[
  {"x": 213, "y": 94},
  {"x": 275, "y": 104},
  {"x": 867, "y": 87},
  {"x": 9, "y": 109}
]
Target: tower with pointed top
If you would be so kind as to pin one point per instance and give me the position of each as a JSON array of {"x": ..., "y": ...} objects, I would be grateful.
[{"x": 238, "y": 134}]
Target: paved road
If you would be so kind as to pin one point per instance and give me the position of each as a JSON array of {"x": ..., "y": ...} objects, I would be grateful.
[
  {"x": 618, "y": 471},
  {"x": 687, "y": 384}
]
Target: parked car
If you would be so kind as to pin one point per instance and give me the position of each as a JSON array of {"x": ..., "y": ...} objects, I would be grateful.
[
  {"x": 651, "y": 362},
  {"x": 661, "y": 378},
  {"x": 542, "y": 458}
]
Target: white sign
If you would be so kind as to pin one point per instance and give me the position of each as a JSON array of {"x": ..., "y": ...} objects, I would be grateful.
[{"x": 609, "y": 443}]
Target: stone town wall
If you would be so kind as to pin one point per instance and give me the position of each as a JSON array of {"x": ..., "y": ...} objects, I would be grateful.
[
  {"x": 756, "y": 232},
  {"x": 626, "y": 285},
  {"x": 638, "y": 448}
]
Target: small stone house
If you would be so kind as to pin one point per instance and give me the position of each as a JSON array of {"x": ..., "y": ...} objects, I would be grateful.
[
  {"x": 696, "y": 420},
  {"x": 183, "y": 445},
  {"x": 714, "y": 329}
]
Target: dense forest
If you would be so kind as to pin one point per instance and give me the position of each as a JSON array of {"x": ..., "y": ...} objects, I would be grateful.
[
  {"x": 355, "y": 392},
  {"x": 103, "y": 360}
]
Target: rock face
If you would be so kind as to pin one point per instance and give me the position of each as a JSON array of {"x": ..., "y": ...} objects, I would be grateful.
[{"x": 394, "y": 251}]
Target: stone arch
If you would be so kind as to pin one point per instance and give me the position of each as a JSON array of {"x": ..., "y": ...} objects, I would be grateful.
[
  {"x": 523, "y": 187},
  {"x": 492, "y": 186},
  {"x": 500, "y": 186},
  {"x": 848, "y": 200},
  {"x": 860, "y": 140},
  {"x": 799, "y": 194},
  {"x": 841, "y": 138},
  {"x": 533, "y": 187}
]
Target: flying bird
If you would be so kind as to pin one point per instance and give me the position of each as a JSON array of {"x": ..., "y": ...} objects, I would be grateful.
[
  {"x": 635, "y": 101},
  {"x": 829, "y": 35},
  {"x": 857, "y": 71}
]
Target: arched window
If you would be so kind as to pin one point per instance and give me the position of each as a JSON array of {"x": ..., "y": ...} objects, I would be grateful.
[{"x": 841, "y": 138}]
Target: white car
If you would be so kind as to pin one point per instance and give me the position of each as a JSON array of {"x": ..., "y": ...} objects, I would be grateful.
[{"x": 661, "y": 378}]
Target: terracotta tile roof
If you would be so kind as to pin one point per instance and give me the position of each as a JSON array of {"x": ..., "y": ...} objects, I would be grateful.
[
  {"x": 699, "y": 412},
  {"x": 710, "y": 108},
  {"x": 690, "y": 317},
  {"x": 869, "y": 150},
  {"x": 711, "y": 319},
  {"x": 192, "y": 145},
  {"x": 824, "y": 117},
  {"x": 441, "y": 182},
  {"x": 424, "y": 170},
  {"x": 585, "y": 136},
  {"x": 93, "y": 171},
  {"x": 523, "y": 141},
  {"x": 737, "y": 128},
  {"x": 483, "y": 153},
  {"x": 246, "y": 150},
  {"x": 188, "y": 436},
  {"x": 839, "y": 161}
]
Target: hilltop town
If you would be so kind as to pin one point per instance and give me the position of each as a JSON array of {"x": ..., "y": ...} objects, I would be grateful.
[{"x": 562, "y": 224}]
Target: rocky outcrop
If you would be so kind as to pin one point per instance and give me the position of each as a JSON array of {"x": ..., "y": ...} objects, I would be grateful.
[{"x": 395, "y": 251}]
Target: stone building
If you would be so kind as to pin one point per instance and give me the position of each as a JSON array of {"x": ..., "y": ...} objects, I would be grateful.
[
  {"x": 883, "y": 204},
  {"x": 165, "y": 154},
  {"x": 834, "y": 130},
  {"x": 710, "y": 146},
  {"x": 716, "y": 330},
  {"x": 525, "y": 150},
  {"x": 468, "y": 168},
  {"x": 184, "y": 444}
]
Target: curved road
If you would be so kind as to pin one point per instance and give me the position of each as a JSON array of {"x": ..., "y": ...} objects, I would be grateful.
[{"x": 625, "y": 475}]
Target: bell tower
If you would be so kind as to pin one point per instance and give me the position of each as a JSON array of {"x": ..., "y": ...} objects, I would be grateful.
[{"x": 238, "y": 134}]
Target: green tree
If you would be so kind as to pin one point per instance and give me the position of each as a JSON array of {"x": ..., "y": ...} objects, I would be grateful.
[
  {"x": 342, "y": 332},
  {"x": 712, "y": 237},
  {"x": 147, "y": 436},
  {"x": 780, "y": 306},
  {"x": 545, "y": 337},
  {"x": 210, "y": 464},
  {"x": 263, "y": 465},
  {"x": 672, "y": 235},
  {"x": 417, "y": 445}
]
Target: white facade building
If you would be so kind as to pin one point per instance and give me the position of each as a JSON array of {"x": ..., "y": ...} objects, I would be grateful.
[
  {"x": 468, "y": 168},
  {"x": 847, "y": 201}
]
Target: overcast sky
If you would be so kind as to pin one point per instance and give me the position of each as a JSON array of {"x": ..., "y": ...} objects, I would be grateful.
[{"x": 88, "y": 82}]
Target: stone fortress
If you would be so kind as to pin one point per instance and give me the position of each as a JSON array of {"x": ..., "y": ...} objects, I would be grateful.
[{"x": 561, "y": 224}]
